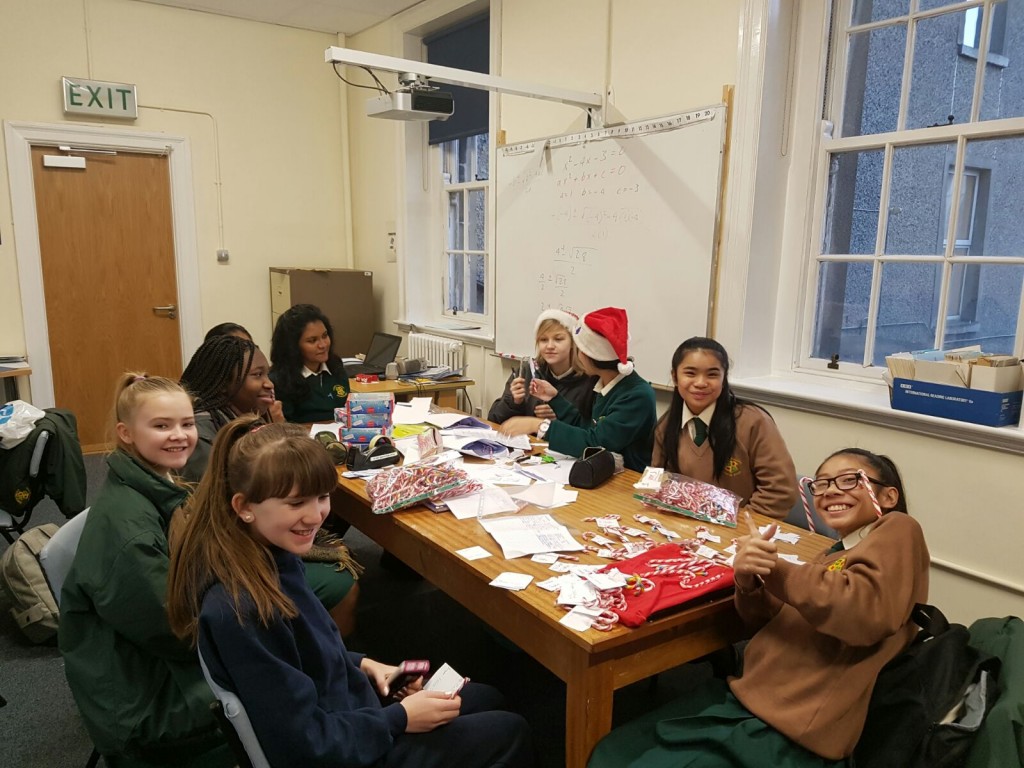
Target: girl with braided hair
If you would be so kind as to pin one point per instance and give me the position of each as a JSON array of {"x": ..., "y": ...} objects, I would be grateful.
[{"x": 227, "y": 378}]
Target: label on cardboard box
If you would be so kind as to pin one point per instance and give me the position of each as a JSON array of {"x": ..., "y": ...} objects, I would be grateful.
[
  {"x": 358, "y": 436},
  {"x": 370, "y": 402},
  {"x": 993, "y": 409}
]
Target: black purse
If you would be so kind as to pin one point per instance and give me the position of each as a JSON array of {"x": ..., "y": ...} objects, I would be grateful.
[{"x": 592, "y": 468}]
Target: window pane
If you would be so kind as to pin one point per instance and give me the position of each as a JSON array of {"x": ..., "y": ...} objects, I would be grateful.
[
  {"x": 906, "y": 309},
  {"x": 865, "y": 11},
  {"x": 927, "y": 5},
  {"x": 477, "y": 220},
  {"x": 455, "y": 238},
  {"x": 917, "y": 198},
  {"x": 456, "y": 282},
  {"x": 855, "y": 185},
  {"x": 998, "y": 227},
  {"x": 482, "y": 168},
  {"x": 942, "y": 81},
  {"x": 874, "y": 73},
  {"x": 989, "y": 308},
  {"x": 844, "y": 290},
  {"x": 477, "y": 284}
]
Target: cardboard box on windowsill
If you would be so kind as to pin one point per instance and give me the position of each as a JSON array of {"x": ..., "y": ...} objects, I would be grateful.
[{"x": 977, "y": 406}]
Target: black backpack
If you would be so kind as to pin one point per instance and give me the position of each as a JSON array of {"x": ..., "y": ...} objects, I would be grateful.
[{"x": 907, "y": 724}]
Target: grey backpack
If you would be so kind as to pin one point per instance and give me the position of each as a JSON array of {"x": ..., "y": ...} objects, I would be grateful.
[{"x": 33, "y": 606}]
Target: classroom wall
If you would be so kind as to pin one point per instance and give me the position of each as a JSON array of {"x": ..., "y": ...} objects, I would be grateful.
[{"x": 262, "y": 112}]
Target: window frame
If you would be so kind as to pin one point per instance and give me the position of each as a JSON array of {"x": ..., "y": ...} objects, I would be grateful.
[{"x": 826, "y": 145}]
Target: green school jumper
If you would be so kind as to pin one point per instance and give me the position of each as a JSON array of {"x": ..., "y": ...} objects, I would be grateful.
[
  {"x": 326, "y": 391},
  {"x": 621, "y": 421}
]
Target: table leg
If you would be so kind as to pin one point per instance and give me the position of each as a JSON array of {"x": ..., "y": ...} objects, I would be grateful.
[{"x": 588, "y": 711}]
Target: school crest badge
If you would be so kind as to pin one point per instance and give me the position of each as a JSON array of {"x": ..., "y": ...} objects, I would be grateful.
[
  {"x": 837, "y": 565},
  {"x": 22, "y": 496},
  {"x": 732, "y": 467},
  {"x": 340, "y": 391}
]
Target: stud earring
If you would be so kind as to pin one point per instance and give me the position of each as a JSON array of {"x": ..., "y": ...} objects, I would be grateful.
[{"x": 248, "y": 518}]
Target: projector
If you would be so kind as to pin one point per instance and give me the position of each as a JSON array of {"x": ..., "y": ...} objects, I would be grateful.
[{"x": 412, "y": 105}]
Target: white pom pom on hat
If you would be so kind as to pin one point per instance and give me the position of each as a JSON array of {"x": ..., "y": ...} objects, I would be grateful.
[{"x": 603, "y": 335}]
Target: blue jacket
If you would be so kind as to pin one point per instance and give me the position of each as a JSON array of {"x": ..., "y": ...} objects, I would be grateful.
[{"x": 309, "y": 703}]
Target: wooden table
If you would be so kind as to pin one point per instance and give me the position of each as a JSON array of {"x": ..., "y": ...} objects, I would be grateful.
[
  {"x": 9, "y": 373},
  {"x": 444, "y": 391},
  {"x": 592, "y": 664}
]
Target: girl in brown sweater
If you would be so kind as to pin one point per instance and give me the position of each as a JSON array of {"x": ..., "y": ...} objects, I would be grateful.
[
  {"x": 709, "y": 434},
  {"x": 824, "y": 630}
]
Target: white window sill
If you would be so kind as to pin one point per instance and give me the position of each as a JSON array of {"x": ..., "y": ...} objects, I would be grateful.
[
  {"x": 868, "y": 403},
  {"x": 482, "y": 337}
]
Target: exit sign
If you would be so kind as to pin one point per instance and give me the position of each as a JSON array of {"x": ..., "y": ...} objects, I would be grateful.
[{"x": 99, "y": 98}]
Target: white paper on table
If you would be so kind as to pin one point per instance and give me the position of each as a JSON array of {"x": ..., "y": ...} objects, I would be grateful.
[
  {"x": 475, "y": 445},
  {"x": 557, "y": 472},
  {"x": 413, "y": 412},
  {"x": 521, "y": 442},
  {"x": 580, "y": 618},
  {"x": 445, "y": 680},
  {"x": 584, "y": 570},
  {"x": 613, "y": 579},
  {"x": 445, "y": 420},
  {"x": 576, "y": 592},
  {"x": 708, "y": 536},
  {"x": 552, "y": 584},
  {"x": 489, "y": 501},
  {"x": 547, "y": 558},
  {"x": 546, "y": 495},
  {"x": 730, "y": 550},
  {"x": 529, "y": 534},
  {"x": 787, "y": 536},
  {"x": 473, "y": 432},
  {"x": 560, "y": 456},
  {"x": 494, "y": 474},
  {"x": 512, "y": 581},
  {"x": 794, "y": 559},
  {"x": 473, "y": 553},
  {"x": 560, "y": 567},
  {"x": 706, "y": 552},
  {"x": 333, "y": 428}
]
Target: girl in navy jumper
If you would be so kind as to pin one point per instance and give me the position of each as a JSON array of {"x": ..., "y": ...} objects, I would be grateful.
[{"x": 236, "y": 589}]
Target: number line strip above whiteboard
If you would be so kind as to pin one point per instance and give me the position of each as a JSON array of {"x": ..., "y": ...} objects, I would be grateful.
[{"x": 625, "y": 216}]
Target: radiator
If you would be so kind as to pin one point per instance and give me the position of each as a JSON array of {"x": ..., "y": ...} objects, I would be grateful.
[{"x": 437, "y": 350}]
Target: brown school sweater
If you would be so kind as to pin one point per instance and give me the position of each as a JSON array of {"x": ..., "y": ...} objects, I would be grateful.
[
  {"x": 761, "y": 471},
  {"x": 828, "y": 627}
]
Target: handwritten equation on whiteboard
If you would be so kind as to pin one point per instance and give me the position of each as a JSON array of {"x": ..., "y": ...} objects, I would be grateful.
[{"x": 569, "y": 265}]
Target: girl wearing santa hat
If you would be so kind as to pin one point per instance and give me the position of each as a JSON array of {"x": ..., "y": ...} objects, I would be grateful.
[
  {"x": 558, "y": 365},
  {"x": 709, "y": 434},
  {"x": 623, "y": 415}
]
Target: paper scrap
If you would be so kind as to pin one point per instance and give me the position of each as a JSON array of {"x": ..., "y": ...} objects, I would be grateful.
[
  {"x": 489, "y": 501},
  {"x": 580, "y": 618},
  {"x": 473, "y": 553},
  {"x": 546, "y": 495},
  {"x": 413, "y": 412},
  {"x": 512, "y": 581},
  {"x": 522, "y": 535},
  {"x": 545, "y": 557},
  {"x": 794, "y": 559}
]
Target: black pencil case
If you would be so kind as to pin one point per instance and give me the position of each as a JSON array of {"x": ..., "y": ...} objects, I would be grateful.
[{"x": 592, "y": 468}]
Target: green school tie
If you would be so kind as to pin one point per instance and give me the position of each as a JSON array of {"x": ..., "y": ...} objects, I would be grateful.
[
  {"x": 700, "y": 431},
  {"x": 837, "y": 547}
]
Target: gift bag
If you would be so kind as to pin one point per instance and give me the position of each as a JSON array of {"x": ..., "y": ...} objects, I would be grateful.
[{"x": 664, "y": 577}]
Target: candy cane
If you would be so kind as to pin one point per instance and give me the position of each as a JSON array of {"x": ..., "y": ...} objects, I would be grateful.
[
  {"x": 803, "y": 497},
  {"x": 871, "y": 491}
]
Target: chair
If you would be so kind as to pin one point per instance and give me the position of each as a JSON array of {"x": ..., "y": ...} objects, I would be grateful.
[
  {"x": 15, "y": 522},
  {"x": 244, "y": 742},
  {"x": 55, "y": 557},
  {"x": 57, "y": 554}
]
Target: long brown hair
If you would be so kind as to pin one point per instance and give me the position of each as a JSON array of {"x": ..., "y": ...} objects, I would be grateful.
[{"x": 260, "y": 461}]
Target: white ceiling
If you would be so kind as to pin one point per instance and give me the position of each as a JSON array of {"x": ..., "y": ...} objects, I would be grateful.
[{"x": 345, "y": 16}]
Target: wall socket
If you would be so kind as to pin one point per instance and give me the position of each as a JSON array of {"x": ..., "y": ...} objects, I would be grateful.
[
  {"x": 223, "y": 257},
  {"x": 391, "y": 254}
]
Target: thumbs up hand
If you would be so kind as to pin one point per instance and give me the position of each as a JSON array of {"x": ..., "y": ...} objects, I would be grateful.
[{"x": 756, "y": 555}]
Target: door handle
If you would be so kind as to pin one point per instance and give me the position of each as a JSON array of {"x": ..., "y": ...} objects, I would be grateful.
[{"x": 169, "y": 311}]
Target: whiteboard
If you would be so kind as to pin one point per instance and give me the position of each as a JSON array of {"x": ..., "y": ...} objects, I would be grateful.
[{"x": 623, "y": 216}]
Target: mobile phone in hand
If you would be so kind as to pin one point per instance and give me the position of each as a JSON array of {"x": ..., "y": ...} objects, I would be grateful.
[{"x": 405, "y": 673}]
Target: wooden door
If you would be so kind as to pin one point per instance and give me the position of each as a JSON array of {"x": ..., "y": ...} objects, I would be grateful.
[{"x": 107, "y": 250}]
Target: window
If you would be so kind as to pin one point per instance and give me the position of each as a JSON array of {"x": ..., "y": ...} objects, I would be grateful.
[
  {"x": 971, "y": 41},
  {"x": 467, "y": 191},
  {"x": 898, "y": 266}
]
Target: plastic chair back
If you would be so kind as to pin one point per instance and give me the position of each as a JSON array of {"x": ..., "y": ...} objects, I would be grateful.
[
  {"x": 236, "y": 715},
  {"x": 58, "y": 553}
]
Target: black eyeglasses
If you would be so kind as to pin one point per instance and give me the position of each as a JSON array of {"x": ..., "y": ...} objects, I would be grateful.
[{"x": 845, "y": 482}]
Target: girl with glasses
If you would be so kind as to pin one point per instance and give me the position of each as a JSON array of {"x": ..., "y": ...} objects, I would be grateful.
[{"x": 823, "y": 631}]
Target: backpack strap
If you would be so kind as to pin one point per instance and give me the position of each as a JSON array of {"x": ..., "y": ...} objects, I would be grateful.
[{"x": 930, "y": 619}]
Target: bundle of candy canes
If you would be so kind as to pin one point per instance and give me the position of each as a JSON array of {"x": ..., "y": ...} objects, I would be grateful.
[
  {"x": 693, "y": 498},
  {"x": 400, "y": 487}
]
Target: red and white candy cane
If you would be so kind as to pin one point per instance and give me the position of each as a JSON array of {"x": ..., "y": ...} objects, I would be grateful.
[
  {"x": 871, "y": 491},
  {"x": 805, "y": 485}
]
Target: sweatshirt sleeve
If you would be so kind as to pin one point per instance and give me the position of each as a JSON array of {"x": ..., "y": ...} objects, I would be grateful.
[
  {"x": 283, "y": 702},
  {"x": 775, "y": 490},
  {"x": 618, "y": 428},
  {"x": 504, "y": 408},
  {"x": 871, "y": 594},
  {"x": 658, "y": 454},
  {"x": 756, "y": 607}
]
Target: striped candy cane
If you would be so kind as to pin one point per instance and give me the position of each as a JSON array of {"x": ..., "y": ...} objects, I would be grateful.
[
  {"x": 871, "y": 491},
  {"x": 806, "y": 481}
]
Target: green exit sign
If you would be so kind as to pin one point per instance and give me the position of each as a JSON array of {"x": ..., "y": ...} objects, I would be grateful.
[{"x": 99, "y": 98}]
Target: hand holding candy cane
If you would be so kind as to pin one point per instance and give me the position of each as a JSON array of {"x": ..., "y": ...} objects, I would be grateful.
[{"x": 756, "y": 555}]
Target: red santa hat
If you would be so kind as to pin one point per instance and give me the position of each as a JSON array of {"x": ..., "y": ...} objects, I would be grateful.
[
  {"x": 603, "y": 335},
  {"x": 567, "y": 319}
]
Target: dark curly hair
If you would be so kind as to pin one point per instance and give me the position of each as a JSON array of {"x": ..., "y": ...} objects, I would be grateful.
[
  {"x": 215, "y": 373},
  {"x": 722, "y": 430},
  {"x": 286, "y": 357}
]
